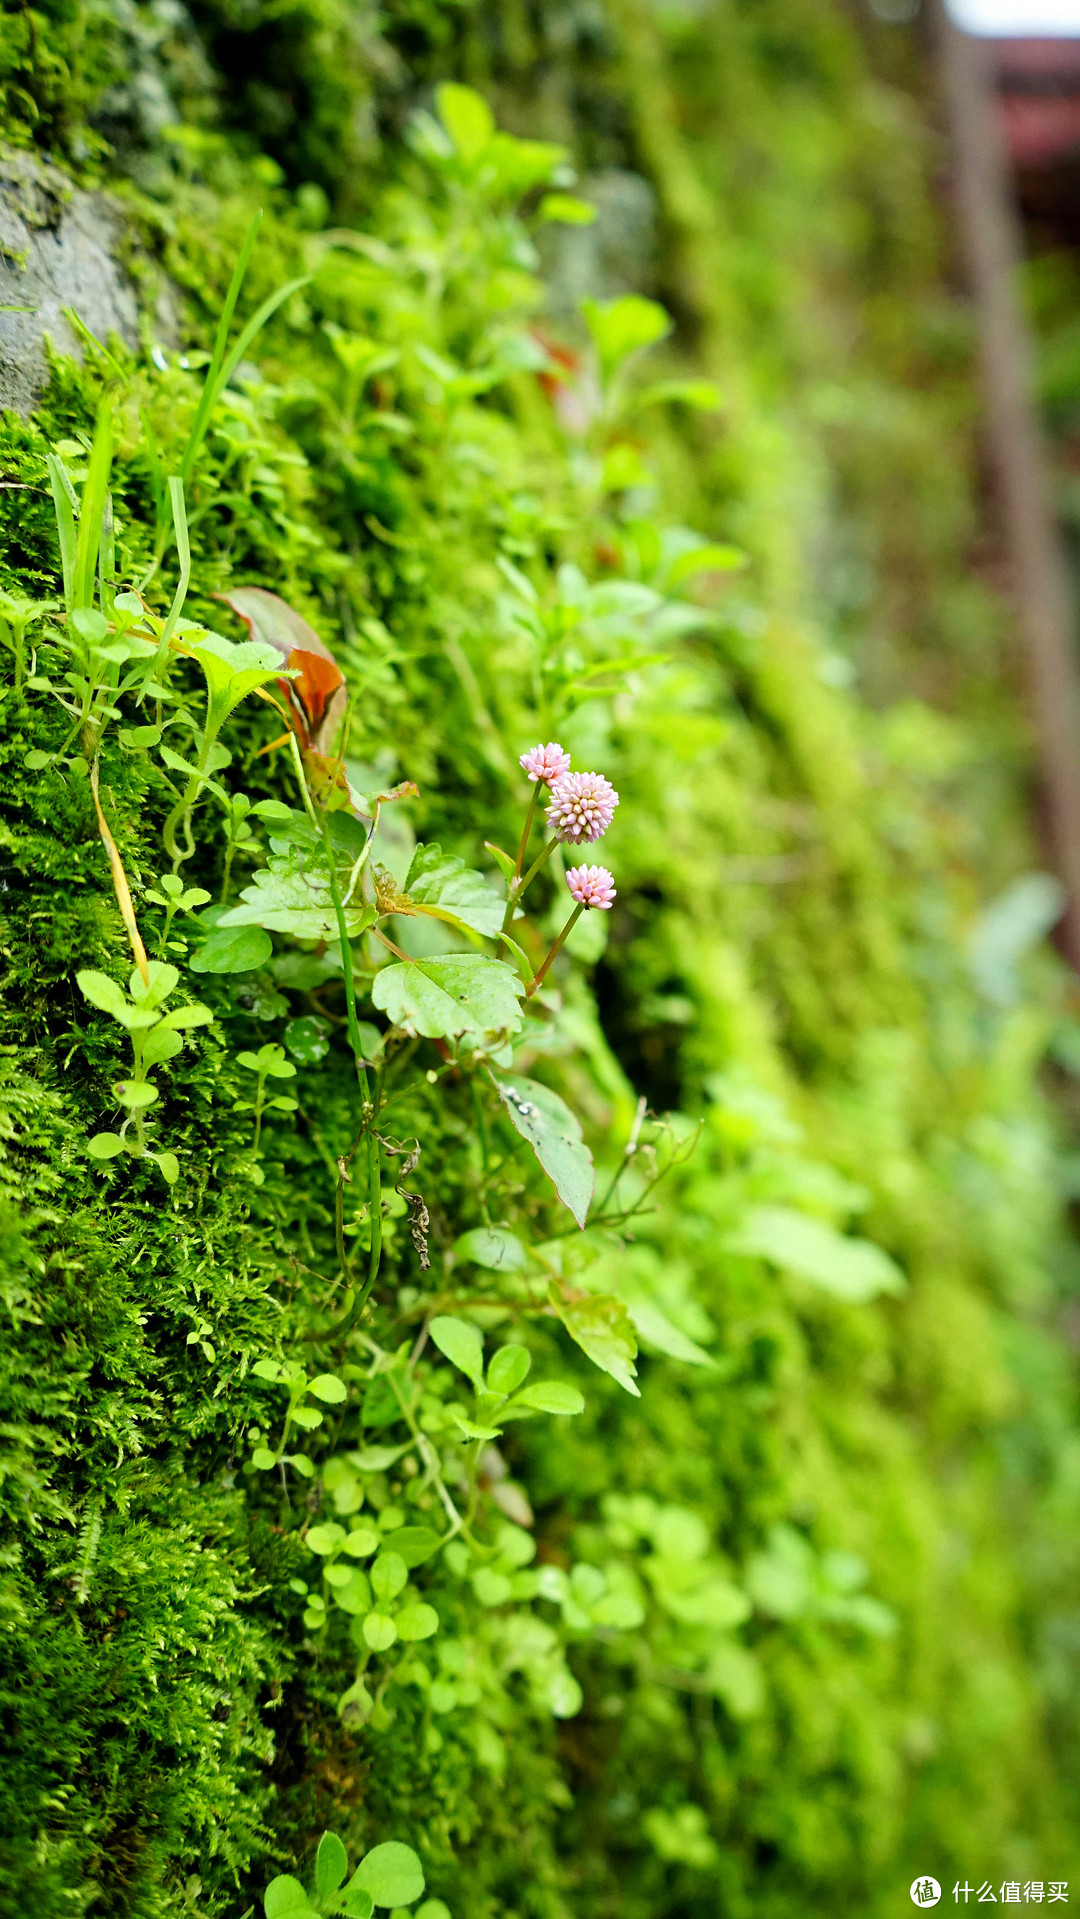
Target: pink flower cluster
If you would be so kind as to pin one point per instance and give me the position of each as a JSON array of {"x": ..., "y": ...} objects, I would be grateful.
[
  {"x": 591, "y": 886},
  {"x": 582, "y": 807},
  {"x": 580, "y": 810},
  {"x": 546, "y": 764}
]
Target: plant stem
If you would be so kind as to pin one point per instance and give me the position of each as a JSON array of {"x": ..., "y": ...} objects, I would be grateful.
[
  {"x": 537, "y": 978},
  {"x": 518, "y": 887}
]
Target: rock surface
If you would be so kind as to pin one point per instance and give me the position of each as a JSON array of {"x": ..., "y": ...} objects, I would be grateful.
[{"x": 58, "y": 249}]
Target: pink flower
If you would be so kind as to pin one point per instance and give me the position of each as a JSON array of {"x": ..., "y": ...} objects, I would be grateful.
[
  {"x": 546, "y": 764},
  {"x": 582, "y": 807},
  {"x": 591, "y": 886}
]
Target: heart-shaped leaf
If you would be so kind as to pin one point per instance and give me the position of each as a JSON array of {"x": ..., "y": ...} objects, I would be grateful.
[{"x": 452, "y": 994}]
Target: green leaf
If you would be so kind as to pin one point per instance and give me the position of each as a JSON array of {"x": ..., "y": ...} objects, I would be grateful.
[
  {"x": 104, "y": 1145},
  {"x": 703, "y": 395},
  {"x": 331, "y": 1865},
  {"x": 232, "y": 672},
  {"x": 455, "y": 993},
  {"x": 509, "y": 1366},
  {"x": 168, "y": 1166},
  {"x": 392, "y": 1873},
  {"x": 854, "y": 1270},
  {"x": 263, "y": 1459},
  {"x": 232, "y": 949},
  {"x": 555, "y": 1136},
  {"x": 504, "y": 861},
  {"x": 183, "y": 1017},
  {"x": 285, "y": 1898},
  {"x": 414, "y": 1544},
  {"x": 656, "y": 1329},
  {"x": 521, "y": 959},
  {"x": 351, "y": 1706},
  {"x": 388, "y": 1575},
  {"x": 416, "y": 1622},
  {"x": 622, "y": 327},
  {"x": 103, "y": 993},
  {"x": 292, "y": 895},
  {"x": 705, "y": 559},
  {"x": 379, "y": 1633},
  {"x": 547, "y": 1396},
  {"x": 307, "y": 1418},
  {"x": 135, "y": 1094},
  {"x": 566, "y": 208},
  {"x": 603, "y": 1329},
  {"x": 441, "y": 884},
  {"x": 462, "y": 1343},
  {"x": 470, "y": 123},
  {"x": 160, "y": 1045},
  {"x": 308, "y": 1039},
  {"x": 377, "y": 1459},
  {"x": 493, "y": 1248},
  {"x": 329, "y": 1388},
  {"x": 355, "y": 1598}
]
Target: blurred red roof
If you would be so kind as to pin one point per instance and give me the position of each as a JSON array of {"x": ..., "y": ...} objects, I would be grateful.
[{"x": 1039, "y": 83}]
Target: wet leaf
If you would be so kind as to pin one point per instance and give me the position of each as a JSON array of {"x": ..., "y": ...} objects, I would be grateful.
[{"x": 555, "y": 1136}]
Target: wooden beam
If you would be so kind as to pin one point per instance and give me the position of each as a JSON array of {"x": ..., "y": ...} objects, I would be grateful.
[{"x": 1043, "y": 589}]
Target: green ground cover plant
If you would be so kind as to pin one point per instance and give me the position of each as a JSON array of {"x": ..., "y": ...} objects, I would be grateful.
[{"x": 543, "y": 1379}]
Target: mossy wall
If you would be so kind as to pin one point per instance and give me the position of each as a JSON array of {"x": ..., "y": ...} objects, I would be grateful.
[{"x": 804, "y": 1622}]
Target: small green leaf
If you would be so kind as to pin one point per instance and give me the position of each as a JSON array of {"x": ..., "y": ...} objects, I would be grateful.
[
  {"x": 184, "y": 1017},
  {"x": 414, "y": 1544},
  {"x": 555, "y": 1136},
  {"x": 169, "y": 1167},
  {"x": 104, "y": 1145},
  {"x": 509, "y": 1366},
  {"x": 331, "y": 1865},
  {"x": 102, "y": 992},
  {"x": 36, "y": 761},
  {"x": 355, "y": 1598},
  {"x": 307, "y": 1417},
  {"x": 388, "y": 1575},
  {"x": 471, "y": 124},
  {"x": 325, "y": 1539},
  {"x": 504, "y": 861},
  {"x": 232, "y": 949},
  {"x": 462, "y": 1344},
  {"x": 416, "y": 1622},
  {"x": 493, "y": 1248},
  {"x": 604, "y": 1330},
  {"x": 567, "y": 209},
  {"x": 308, "y": 1039},
  {"x": 622, "y": 327},
  {"x": 329, "y": 1388},
  {"x": 379, "y": 1633},
  {"x": 135, "y": 1094},
  {"x": 285, "y": 1898},
  {"x": 391, "y": 1873},
  {"x": 263, "y": 1459},
  {"x": 547, "y": 1396}
]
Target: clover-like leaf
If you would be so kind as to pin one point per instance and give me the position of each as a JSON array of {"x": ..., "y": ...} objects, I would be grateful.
[{"x": 285, "y": 1898}]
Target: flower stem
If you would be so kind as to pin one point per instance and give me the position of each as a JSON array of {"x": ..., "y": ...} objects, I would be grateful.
[{"x": 537, "y": 978}]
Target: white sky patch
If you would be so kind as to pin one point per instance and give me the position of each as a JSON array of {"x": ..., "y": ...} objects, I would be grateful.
[{"x": 1033, "y": 19}]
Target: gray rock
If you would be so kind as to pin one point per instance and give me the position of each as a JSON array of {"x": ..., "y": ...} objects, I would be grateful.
[{"x": 58, "y": 249}]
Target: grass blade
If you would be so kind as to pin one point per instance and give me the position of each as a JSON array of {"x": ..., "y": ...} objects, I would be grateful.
[
  {"x": 95, "y": 488},
  {"x": 213, "y": 372},
  {"x": 183, "y": 548},
  {"x": 63, "y": 495}
]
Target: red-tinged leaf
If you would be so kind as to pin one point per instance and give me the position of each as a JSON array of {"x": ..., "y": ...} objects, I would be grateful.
[{"x": 317, "y": 695}]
